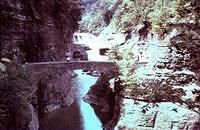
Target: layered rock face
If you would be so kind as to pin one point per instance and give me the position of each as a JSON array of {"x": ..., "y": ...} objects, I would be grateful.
[
  {"x": 169, "y": 82},
  {"x": 37, "y": 31}
]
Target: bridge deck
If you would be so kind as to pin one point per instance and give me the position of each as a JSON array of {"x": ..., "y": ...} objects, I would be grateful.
[
  {"x": 69, "y": 63},
  {"x": 73, "y": 65},
  {"x": 77, "y": 64},
  {"x": 60, "y": 66}
]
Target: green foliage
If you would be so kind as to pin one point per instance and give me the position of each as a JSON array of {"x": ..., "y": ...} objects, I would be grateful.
[
  {"x": 158, "y": 12},
  {"x": 164, "y": 12},
  {"x": 125, "y": 60},
  {"x": 130, "y": 13},
  {"x": 114, "y": 53},
  {"x": 92, "y": 22},
  {"x": 93, "y": 19}
]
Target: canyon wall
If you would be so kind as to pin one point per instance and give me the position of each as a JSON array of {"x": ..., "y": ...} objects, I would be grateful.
[
  {"x": 37, "y": 31},
  {"x": 166, "y": 93}
]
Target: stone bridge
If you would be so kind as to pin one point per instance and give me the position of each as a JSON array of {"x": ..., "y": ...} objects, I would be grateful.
[
  {"x": 54, "y": 79},
  {"x": 43, "y": 69}
]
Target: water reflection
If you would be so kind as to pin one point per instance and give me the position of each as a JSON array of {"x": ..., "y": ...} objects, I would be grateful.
[
  {"x": 68, "y": 118},
  {"x": 78, "y": 116},
  {"x": 90, "y": 120}
]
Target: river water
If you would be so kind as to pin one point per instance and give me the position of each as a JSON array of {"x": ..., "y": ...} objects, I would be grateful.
[{"x": 78, "y": 116}]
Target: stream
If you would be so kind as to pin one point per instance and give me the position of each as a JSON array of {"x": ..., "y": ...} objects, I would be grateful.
[{"x": 80, "y": 115}]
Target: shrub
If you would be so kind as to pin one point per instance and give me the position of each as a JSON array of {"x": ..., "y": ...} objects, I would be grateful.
[{"x": 125, "y": 60}]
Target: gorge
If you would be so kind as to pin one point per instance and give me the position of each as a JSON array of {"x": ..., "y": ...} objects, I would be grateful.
[{"x": 148, "y": 77}]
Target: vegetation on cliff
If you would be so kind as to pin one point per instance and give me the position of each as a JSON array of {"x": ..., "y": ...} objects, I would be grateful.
[
  {"x": 128, "y": 13},
  {"x": 159, "y": 17},
  {"x": 93, "y": 18}
]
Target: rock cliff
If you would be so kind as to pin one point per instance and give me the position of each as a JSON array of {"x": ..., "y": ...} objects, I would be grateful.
[
  {"x": 36, "y": 31},
  {"x": 166, "y": 93}
]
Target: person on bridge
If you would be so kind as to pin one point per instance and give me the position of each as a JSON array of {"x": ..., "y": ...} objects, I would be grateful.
[{"x": 68, "y": 56}]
